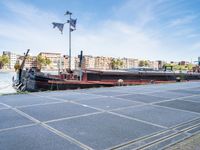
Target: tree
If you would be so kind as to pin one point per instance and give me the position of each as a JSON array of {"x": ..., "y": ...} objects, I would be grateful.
[
  {"x": 143, "y": 63},
  {"x": 190, "y": 66},
  {"x": 146, "y": 63},
  {"x": 42, "y": 61},
  {"x": 17, "y": 66},
  {"x": 179, "y": 67},
  {"x": 168, "y": 67},
  {"x": 4, "y": 60},
  {"x": 116, "y": 64},
  {"x": 48, "y": 61}
]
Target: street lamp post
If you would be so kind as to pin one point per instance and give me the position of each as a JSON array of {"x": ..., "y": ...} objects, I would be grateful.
[
  {"x": 70, "y": 54},
  {"x": 72, "y": 27}
]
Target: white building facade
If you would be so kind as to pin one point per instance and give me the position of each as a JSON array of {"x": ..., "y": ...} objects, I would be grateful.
[{"x": 12, "y": 59}]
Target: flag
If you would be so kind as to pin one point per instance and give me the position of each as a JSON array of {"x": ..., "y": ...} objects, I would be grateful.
[
  {"x": 60, "y": 26},
  {"x": 72, "y": 22},
  {"x": 71, "y": 29}
]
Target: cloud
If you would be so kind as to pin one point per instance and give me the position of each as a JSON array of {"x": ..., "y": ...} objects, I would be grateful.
[
  {"x": 30, "y": 28},
  {"x": 183, "y": 21},
  {"x": 112, "y": 38},
  {"x": 140, "y": 13},
  {"x": 118, "y": 39},
  {"x": 196, "y": 45},
  {"x": 134, "y": 31}
]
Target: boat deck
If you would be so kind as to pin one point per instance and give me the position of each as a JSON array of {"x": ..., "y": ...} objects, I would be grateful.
[{"x": 132, "y": 117}]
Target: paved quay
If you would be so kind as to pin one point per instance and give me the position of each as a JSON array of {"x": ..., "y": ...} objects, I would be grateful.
[{"x": 131, "y": 117}]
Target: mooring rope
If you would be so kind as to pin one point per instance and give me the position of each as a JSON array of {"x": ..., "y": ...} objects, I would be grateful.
[{"x": 6, "y": 86}]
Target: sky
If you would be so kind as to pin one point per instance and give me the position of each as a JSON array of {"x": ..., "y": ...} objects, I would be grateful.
[{"x": 143, "y": 29}]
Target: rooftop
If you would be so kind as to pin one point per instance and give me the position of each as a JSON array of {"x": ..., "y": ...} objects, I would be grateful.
[{"x": 147, "y": 116}]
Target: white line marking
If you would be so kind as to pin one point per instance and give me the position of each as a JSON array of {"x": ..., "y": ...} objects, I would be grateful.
[
  {"x": 17, "y": 127},
  {"x": 132, "y": 118},
  {"x": 41, "y": 104},
  {"x": 122, "y": 108},
  {"x": 172, "y": 99},
  {"x": 187, "y": 111},
  {"x": 67, "y": 118}
]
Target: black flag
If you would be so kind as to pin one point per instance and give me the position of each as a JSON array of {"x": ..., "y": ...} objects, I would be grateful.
[{"x": 60, "y": 26}]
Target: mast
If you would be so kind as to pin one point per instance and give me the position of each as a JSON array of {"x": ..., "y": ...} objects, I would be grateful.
[
  {"x": 22, "y": 66},
  {"x": 23, "y": 62},
  {"x": 71, "y": 24},
  {"x": 72, "y": 27},
  {"x": 70, "y": 54}
]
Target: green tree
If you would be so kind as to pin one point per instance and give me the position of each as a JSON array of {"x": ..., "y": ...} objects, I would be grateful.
[
  {"x": 179, "y": 67},
  {"x": 42, "y": 61},
  {"x": 143, "y": 63},
  {"x": 116, "y": 64},
  {"x": 190, "y": 67},
  {"x": 168, "y": 65},
  {"x": 146, "y": 63},
  {"x": 17, "y": 66},
  {"x": 48, "y": 61},
  {"x": 4, "y": 60}
]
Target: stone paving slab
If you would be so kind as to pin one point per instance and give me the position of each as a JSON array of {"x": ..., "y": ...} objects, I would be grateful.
[
  {"x": 9, "y": 119},
  {"x": 16, "y": 96},
  {"x": 2, "y": 106},
  {"x": 187, "y": 91},
  {"x": 108, "y": 103},
  {"x": 193, "y": 99},
  {"x": 110, "y": 93},
  {"x": 54, "y": 93},
  {"x": 143, "y": 98},
  {"x": 183, "y": 105},
  {"x": 56, "y": 111},
  {"x": 100, "y": 118},
  {"x": 33, "y": 138},
  {"x": 75, "y": 96},
  {"x": 25, "y": 100},
  {"x": 104, "y": 130},
  {"x": 170, "y": 95},
  {"x": 158, "y": 115}
]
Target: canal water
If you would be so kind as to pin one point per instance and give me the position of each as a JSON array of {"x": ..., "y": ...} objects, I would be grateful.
[{"x": 6, "y": 82}]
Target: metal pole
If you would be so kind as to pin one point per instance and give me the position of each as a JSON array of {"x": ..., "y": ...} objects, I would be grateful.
[{"x": 70, "y": 42}]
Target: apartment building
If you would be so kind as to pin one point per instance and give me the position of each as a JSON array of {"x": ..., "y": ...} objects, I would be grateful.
[
  {"x": 161, "y": 64},
  {"x": 12, "y": 59},
  {"x": 88, "y": 62},
  {"x": 30, "y": 62},
  {"x": 55, "y": 59},
  {"x": 65, "y": 62},
  {"x": 154, "y": 65},
  {"x": 129, "y": 63},
  {"x": 103, "y": 62},
  {"x": 184, "y": 63}
]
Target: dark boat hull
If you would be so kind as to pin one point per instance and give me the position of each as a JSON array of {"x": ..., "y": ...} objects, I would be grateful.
[
  {"x": 38, "y": 82},
  {"x": 141, "y": 76},
  {"x": 41, "y": 83}
]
